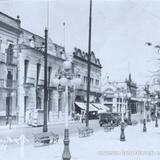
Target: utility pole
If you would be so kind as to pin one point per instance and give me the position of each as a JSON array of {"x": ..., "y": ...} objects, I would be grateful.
[
  {"x": 89, "y": 65},
  {"x": 45, "y": 129}
]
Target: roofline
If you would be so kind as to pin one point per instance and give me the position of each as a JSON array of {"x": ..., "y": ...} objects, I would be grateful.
[
  {"x": 40, "y": 37},
  {"x": 8, "y": 16}
]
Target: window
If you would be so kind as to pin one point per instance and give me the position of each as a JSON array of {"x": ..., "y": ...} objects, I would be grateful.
[
  {"x": 91, "y": 81},
  {"x": 0, "y": 44},
  {"x": 10, "y": 52},
  {"x": 9, "y": 79},
  {"x": 97, "y": 82},
  {"x": 38, "y": 71},
  {"x": 84, "y": 79},
  {"x": 120, "y": 107},
  {"x": 26, "y": 63},
  {"x": 109, "y": 99}
]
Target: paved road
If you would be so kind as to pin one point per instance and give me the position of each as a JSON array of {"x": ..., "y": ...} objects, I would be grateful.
[{"x": 56, "y": 128}]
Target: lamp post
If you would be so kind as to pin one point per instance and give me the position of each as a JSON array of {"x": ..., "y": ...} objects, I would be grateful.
[
  {"x": 129, "y": 108},
  {"x": 156, "y": 123},
  {"x": 66, "y": 81},
  {"x": 122, "y": 135},
  {"x": 144, "y": 118}
]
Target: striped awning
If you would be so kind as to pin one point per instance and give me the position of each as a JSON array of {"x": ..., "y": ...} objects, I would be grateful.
[{"x": 83, "y": 106}]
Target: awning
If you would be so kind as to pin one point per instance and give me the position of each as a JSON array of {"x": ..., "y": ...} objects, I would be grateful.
[
  {"x": 135, "y": 99},
  {"x": 83, "y": 106},
  {"x": 101, "y": 106}
]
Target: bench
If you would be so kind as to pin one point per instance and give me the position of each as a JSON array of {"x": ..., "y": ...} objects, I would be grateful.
[
  {"x": 45, "y": 138},
  {"x": 108, "y": 127},
  {"x": 85, "y": 131}
]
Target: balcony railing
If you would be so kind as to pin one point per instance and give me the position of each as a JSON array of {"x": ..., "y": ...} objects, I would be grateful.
[
  {"x": 92, "y": 88},
  {"x": 10, "y": 84},
  {"x": 30, "y": 81},
  {"x": 41, "y": 82},
  {"x": 11, "y": 60},
  {"x": 2, "y": 57}
]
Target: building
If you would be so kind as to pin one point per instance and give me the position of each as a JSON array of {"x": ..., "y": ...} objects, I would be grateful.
[
  {"x": 9, "y": 33},
  {"x": 80, "y": 68},
  {"x": 31, "y": 78},
  {"x": 22, "y": 74},
  {"x": 132, "y": 88},
  {"x": 112, "y": 98}
]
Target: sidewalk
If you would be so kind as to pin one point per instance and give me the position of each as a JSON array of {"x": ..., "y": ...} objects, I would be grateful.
[
  {"x": 100, "y": 146},
  {"x": 28, "y": 126}
]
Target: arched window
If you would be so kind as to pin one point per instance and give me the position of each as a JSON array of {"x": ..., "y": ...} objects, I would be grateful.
[{"x": 10, "y": 53}]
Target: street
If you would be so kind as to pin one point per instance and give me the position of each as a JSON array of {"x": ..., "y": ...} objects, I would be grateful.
[
  {"x": 58, "y": 128},
  {"x": 101, "y": 145}
]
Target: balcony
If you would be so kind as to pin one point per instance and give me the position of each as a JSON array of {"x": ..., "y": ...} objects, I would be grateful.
[
  {"x": 29, "y": 81},
  {"x": 8, "y": 84},
  {"x": 40, "y": 82},
  {"x": 92, "y": 88},
  {"x": 2, "y": 57},
  {"x": 11, "y": 60}
]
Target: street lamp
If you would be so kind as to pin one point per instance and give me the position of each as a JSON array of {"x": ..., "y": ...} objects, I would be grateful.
[
  {"x": 67, "y": 80},
  {"x": 129, "y": 108},
  {"x": 122, "y": 135},
  {"x": 148, "y": 108},
  {"x": 144, "y": 118},
  {"x": 156, "y": 124}
]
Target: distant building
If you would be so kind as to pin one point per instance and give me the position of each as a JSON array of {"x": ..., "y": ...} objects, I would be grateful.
[
  {"x": 80, "y": 68},
  {"x": 113, "y": 99},
  {"x": 132, "y": 88}
]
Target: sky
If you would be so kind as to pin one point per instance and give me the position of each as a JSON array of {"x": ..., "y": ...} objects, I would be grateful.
[{"x": 120, "y": 29}]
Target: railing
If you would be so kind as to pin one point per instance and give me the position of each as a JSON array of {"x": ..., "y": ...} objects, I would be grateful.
[
  {"x": 40, "y": 82},
  {"x": 30, "y": 80},
  {"x": 11, "y": 60},
  {"x": 2, "y": 57},
  {"x": 12, "y": 84},
  {"x": 92, "y": 88}
]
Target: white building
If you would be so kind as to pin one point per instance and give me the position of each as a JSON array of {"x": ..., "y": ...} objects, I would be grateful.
[
  {"x": 9, "y": 33},
  {"x": 113, "y": 99}
]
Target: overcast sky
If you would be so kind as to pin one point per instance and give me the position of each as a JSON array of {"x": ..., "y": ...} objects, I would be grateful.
[{"x": 120, "y": 29}]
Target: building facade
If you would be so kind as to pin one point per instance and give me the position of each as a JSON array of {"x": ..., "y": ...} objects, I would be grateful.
[
  {"x": 9, "y": 33},
  {"x": 22, "y": 74},
  {"x": 80, "y": 68},
  {"x": 113, "y": 99},
  {"x": 132, "y": 88},
  {"x": 31, "y": 78}
]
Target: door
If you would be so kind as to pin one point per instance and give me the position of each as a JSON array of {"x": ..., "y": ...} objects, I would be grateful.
[{"x": 8, "y": 108}]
